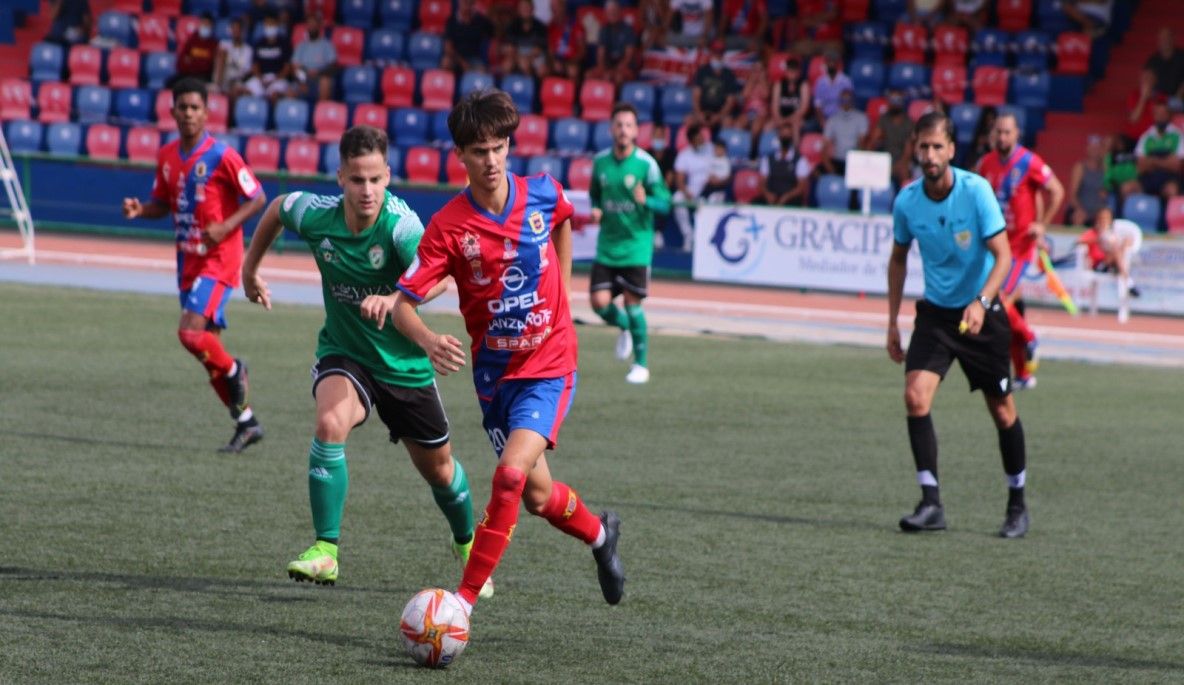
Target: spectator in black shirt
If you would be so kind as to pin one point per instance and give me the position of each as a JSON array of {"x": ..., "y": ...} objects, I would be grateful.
[
  {"x": 525, "y": 43},
  {"x": 71, "y": 22},
  {"x": 618, "y": 47},
  {"x": 271, "y": 72},
  {"x": 716, "y": 90},
  {"x": 1167, "y": 63},
  {"x": 466, "y": 39}
]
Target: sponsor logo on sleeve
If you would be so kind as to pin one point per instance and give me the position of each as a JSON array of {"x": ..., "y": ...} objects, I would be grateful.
[
  {"x": 246, "y": 182},
  {"x": 290, "y": 200}
]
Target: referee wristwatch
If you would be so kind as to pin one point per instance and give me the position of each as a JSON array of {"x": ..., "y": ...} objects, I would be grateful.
[{"x": 985, "y": 302}]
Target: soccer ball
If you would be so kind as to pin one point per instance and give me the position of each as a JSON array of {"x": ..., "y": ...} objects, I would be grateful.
[{"x": 434, "y": 627}]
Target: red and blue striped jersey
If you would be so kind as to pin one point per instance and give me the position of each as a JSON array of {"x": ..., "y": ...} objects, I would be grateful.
[{"x": 1016, "y": 181}]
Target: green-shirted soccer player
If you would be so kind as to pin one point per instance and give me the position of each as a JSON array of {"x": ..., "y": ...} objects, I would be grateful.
[
  {"x": 363, "y": 240},
  {"x": 627, "y": 188}
]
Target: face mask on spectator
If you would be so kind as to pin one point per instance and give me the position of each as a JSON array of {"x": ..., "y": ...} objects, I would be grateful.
[
  {"x": 314, "y": 34},
  {"x": 204, "y": 31},
  {"x": 717, "y": 63},
  {"x": 786, "y": 142},
  {"x": 1161, "y": 125},
  {"x": 271, "y": 31},
  {"x": 659, "y": 144}
]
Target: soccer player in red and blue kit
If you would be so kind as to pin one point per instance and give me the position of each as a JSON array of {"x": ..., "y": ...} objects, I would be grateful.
[
  {"x": 201, "y": 182},
  {"x": 1017, "y": 174},
  {"x": 506, "y": 241}
]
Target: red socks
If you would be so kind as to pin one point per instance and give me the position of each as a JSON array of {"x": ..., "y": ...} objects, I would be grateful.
[
  {"x": 566, "y": 511},
  {"x": 494, "y": 531},
  {"x": 1019, "y": 325},
  {"x": 208, "y": 349}
]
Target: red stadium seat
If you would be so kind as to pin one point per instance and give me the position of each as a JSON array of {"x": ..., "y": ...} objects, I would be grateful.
[
  {"x": 596, "y": 100},
  {"x": 263, "y": 153},
  {"x": 854, "y": 10},
  {"x": 84, "y": 64},
  {"x": 143, "y": 142},
  {"x": 908, "y": 43},
  {"x": 370, "y": 114},
  {"x": 349, "y": 42},
  {"x": 54, "y": 101},
  {"x": 398, "y": 87},
  {"x": 16, "y": 99},
  {"x": 746, "y": 185},
  {"x": 558, "y": 97},
  {"x": 437, "y": 87},
  {"x": 950, "y": 44},
  {"x": 219, "y": 118},
  {"x": 302, "y": 156},
  {"x": 875, "y": 108},
  {"x": 813, "y": 147},
  {"x": 645, "y": 135},
  {"x": 102, "y": 141},
  {"x": 422, "y": 165},
  {"x": 434, "y": 14},
  {"x": 152, "y": 32},
  {"x": 919, "y": 108},
  {"x": 455, "y": 170},
  {"x": 123, "y": 68},
  {"x": 531, "y": 136},
  {"x": 329, "y": 120},
  {"x": 817, "y": 67},
  {"x": 126, "y": 6},
  {"x": 1014, "y": 15},
  {"x": 949, "y": 83},
  {"x": 990, "y": 86},
  {"x": 1073, "y": 51},
  {"x": 327, "y": 8},
  {"x": 1175, "y": 215},
  {"x": 170, "y": 7},
  {"x": 579, "y": 173},
  {"x": 164, "y": 111},
  {"x": 186, "y": 26},
  {"x": 299, "y": 34}
]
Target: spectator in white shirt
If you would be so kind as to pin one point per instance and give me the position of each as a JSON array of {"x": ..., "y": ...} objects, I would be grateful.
[
  {"x": 692, "y": 171},
  {"x": 233, "y": 63}
]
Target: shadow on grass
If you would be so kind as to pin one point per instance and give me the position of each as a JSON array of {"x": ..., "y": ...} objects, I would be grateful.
[
  {"x": 765, "y": 518},
  {"x": 80, "y": 440},
  {"x": 1051, "y": 658}
]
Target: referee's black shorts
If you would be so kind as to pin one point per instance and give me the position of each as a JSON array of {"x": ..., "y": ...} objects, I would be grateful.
[{"x": 985, "y": 357}]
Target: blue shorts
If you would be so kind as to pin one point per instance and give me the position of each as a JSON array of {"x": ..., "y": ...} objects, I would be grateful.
[
  {"x": 537, "y": 404},
  {"x": 1014, "y": 275},
  {"x": 207, "y": 297}
]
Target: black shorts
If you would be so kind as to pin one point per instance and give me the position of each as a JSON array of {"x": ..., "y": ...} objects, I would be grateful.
[
  {"x": 985, "y": 358},
  {"x": 414, "y": 414},
  {"x": 619, "y": 279}
]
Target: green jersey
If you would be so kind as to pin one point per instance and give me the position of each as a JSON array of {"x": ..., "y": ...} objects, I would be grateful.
[
  {"x": 354, "y": 267},
  {"x": 627, "y": 229}
]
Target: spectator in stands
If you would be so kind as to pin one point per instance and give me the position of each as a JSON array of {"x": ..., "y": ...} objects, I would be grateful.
[
  {"x": 744, "y": 24},
  {"x": 892, "y": 134},
  {"x": 233, "y": 64},
  {"x": 654, "y": 16},
  {"x": 1167, "y": 66},
  {"x": 260, "y": 10},
  {"x": 1087, "y": 185},
  {"x": 1122, "y": 170},
  {"x": 72, "y": 22},
  {"x": 829, "y": 86},
  {"x": 314, "y": 62},
  {"x": 754, "y": 101},
  {"x": 663, "y": 153},
  {"x": 821, "y": 27},
  {"x": 791, "y": 97},
  {"x": 719, "y": 174},
  {"x": 617, "y": 52},
  {"x": 524, "y": 44},
  {"x": 1158, "y": 155},
  {"x": 1091, "y": 16},
  {"x": 715, "y": 91},
  {"x": 566, "y": 43},
  {"x": 971, "y": 14},
  {"x": 1139, "y": 104},
  {"x": 784, "y": 173},
  {"x": 927, "y": 12},
  {"x": 983, "y": 130},
  {"x": 692, "y": 169},
  {"x": 845, "y": 131},
  {"x": 271, "y": 72},
  {"x": 690, "y": 23},
  {"x": 466, "y": 39},
  {"x": 196, "y": 57}
]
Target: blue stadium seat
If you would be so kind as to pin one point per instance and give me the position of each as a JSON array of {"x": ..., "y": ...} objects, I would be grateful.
[
  {"x": 882, "y": 201},
  {"x": 676, "y": 104},
  {"x": 474, "y": 80},
  {"x": 867, "y": 40},
  {"x": 331, "y": 158},
  {"x": 46, "y": 61},
  {"x": 64, "y": 138},
  {"x": 93, "y": 103},
  {"x": 133, "y": 105},
  {"x": 358, "y": 13},
  {"x": 410, "y": 126},
  {"x": 602, "y": 135},
  {"x": 1021, "y": 118},
  {"x": 989, "y": 48},
  {"x": 737, "y": 141},
  {"x": 1030, "y": 89},
  {"x": 831, "y": 192},
  {"x": 424, "y": 50},
  {"x": 159, "y": 67},
  {"x": 385, "y": 46},
  {"x": 199, "y": 7},
  {"x": 231, "y": 140},
  {"x": 358, "y": 84},
  {"x": 1052, "y": 19},
  {"x": 965, "y": 116},
  {"x": 570, "y": 136},
  {"x": 397, "y": 14},
  {"x": 1032, "y": 50},
  {"x": 23, "y": 136},
  {"x": 521, "y": 89},
  {"x": 516, "y": 165},
  {"x": 439, "y": 128},
  {"x": 641, "y": 95},
  {"x": 868, "y": 78},
  {"x": 545, "y": 164},
  {"x": 1143, "y": 210},
  {"x": 394, "y": 159},
  {"x": 889, "y": 11},
  {"x": 768, "y": 143},
  {"x": 291, "y": 116},
  {"x": 117, "y": 27},
  {"x": 913, "y": 79},
  {"x": 237, "y": 8},
  {"x": 250, "y": 114},
  {"x": 222, "y": 28}
]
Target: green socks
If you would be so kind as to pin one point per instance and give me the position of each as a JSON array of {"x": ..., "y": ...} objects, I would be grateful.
[
  {"x": 328, "y": 483},
  {"x": 637, "y": 329},
  {"x": 456, "y": 503},
  {"x": 613, "y": 316}
]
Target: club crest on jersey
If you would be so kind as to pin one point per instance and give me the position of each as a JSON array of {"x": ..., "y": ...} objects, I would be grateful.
[
  {"x": 510, "y": 252},
  {"x": 479, "y": 277},
  {"x": 630, "y": 179},
  {"x": 327, "y": 251},
  {"x": 963, "y": 239},
  {"x": 470, "y": 246},
  {"x": 377, "y": 256},
  {"x": 537, "y": 225},
  {"x": 200, "y": 169}
]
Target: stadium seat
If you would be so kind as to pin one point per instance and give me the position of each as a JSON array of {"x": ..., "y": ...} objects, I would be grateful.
[
  {"x": 949, "y": 83},
  {"x": 881, "y": 201},
  {"x": 1014, "y": 15},
  {"x": 1073, "y": 52},
  {"x": 163, "y": 109},
  {"x": 875, "y": 108},
  {"x": 302, "y": 156},
  {"x": 737, "y": 141},
  {"x": 410, "y": 126},
  {"x": 1032, "y": 50},
  {"x": 531, "y": 136},
  {"x": 474, "y": 80},
  {"x": 645, "y": 135},
  {"x": 16, "y": 99},
  {"x": 358, "y": 84},
  {"x": 830, "y": 192},
  {"x": 116, "y": 27},
  {"x": 398, "y": 87},
  {"x": 127, "y": 6},
  {"x": 454, "y": 170},
  {"x": 45, "y": 62},
  {"x": 63, "y": 139},
  {"x": 159, "y": 67},
  {"x": 852, "y": 11},
  {"x": 545, "y": 164},
  {"x": 84, "y": 63},
  {"x": 816, "y": 67},
  {"x": 1175, "y": 215},
  {"x": 263, "y": 153},
  {"x": 370, "y": 114},
  {"x": 171, "y": 6},
  {"x": 424, "y": 50},
  {"x": 990, "y": 48},
  {"x": 676, "y": 104},
  {"x": 349, "y": 42},
  {"x": 422, "y": 165},
  {"x": 123, "y": 68},
  {"x": 102, "y": 141},
  {"x": 557, "y": 97},
  {"x": 1143, "y": 210},
  {"x": 521, "y": 90},
  {"x": 641, "y": 95},
  {"x": 291, "y": 116},
  {"x": 990, "y": 86},
  {"x": 516, "y": 165},
  {"x": 867, "y": 40},
  {"x": 910, "y": 78},
  {"x": 250, "y": 114},
  {"x": 579, "y": 173},
  {"x": 965, "y": 116},
  {"x": 327, "y": 8},
  {"x": 602, "y": 135},
  {"x": 218, "y": 106},
  {"x": 331, "y": 159},
  {"x": 812, "y": 146},
  {"x": 437, "y": 88},
  {"x": 186, "y": 25},
  {"x": 397, "y": 14},
  {"x": 867, "y": 76},
  {"x": 569, "y": 136},
  {"x": 143, "y": 142},
  {"x": 434, "y": 14},
  {"x": 385, "y": 46},
  {"x": 767, "y": 143},
  {"x": 890, "y": 11},
  {"x": 1030, "y": 89},
  {"x": 23, "y": 135},
  {"x": 222, "y": 29},
  {"x": 950, "y": 44},
  {"x": 1051, "y": 18},
  {"x": 152, "y": 32},
  {"x": 746, "y": 185},
  {"x": 231, "y": 140},
  {"x": 92, "y": 103},
  {"x": 329, "y": 121},
  {"x": 919, "y": 108},
  {"x": 909, "y": 42},
  {"x": 133, "y": 105},
  {"x": 1020, "y": 114},
  {"x": 199, "y": 7},
  {"x": 357, "y": 13},
  {"x": 596, "y": 99}
]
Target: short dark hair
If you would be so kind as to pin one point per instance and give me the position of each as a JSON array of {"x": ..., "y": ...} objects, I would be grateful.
[
  {"x": 190, "y": 85},
  {"x": 935, "y": 121},
  {"x": 693, "y": 130},
  {"x": 362, "y": 140},
  {"x": 482, "y": 114},
  {"x": 624, "y": 107}
]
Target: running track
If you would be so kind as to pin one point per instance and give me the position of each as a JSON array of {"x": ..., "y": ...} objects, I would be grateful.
[{"x": 674, "y": 307}]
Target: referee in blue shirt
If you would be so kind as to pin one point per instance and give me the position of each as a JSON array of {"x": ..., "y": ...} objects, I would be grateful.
[{"x": 955, "y": 219}]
